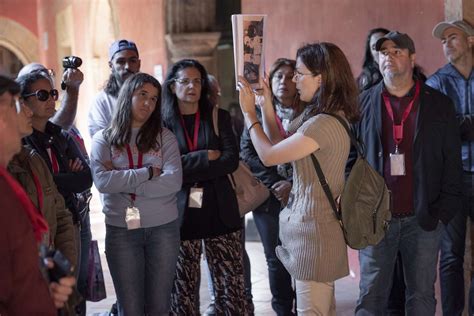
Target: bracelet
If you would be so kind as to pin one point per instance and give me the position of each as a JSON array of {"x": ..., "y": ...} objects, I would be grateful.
[
  {"x": 150, "y": 172},
  {"x": 253, "y": 125}
]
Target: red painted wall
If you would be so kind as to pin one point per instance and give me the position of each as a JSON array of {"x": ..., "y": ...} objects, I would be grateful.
[
  {"x": 21, "y": 11},
  {"x": 143, "y": 21},
  {"x": 346, "y": 23}
]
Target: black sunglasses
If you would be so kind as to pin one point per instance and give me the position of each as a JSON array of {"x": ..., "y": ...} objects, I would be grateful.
[{"x": 43, "y": 95}]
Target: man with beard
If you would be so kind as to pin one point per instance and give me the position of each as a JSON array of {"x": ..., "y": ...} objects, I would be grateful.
[{"x": 124, "y": 61}]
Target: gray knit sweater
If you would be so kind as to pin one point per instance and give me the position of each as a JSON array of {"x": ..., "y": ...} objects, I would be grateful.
[{"x": 313, "y": 246}]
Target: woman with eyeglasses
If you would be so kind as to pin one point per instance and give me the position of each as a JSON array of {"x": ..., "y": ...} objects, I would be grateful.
[
  {"x": 30, "y": 170},
  {"x": 312, "y": 247},
  {"x": 207, "y": 201},
  {"x": 68, "y": 167},
  {"x": 65, "y": 161}
]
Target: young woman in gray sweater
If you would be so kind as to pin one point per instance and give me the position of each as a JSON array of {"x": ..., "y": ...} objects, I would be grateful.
[{"x": 137, "y": 167}]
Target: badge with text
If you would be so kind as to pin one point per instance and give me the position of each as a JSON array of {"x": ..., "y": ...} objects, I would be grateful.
[
  {"x": 132, "y": 218},
  {"x": 397, "y": 163},
  {"x": 195, "y": 197}
]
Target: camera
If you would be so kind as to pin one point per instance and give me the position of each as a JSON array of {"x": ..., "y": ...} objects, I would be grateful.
[
  {"x": 73, "y": 62},
  {"x": 62, "y": 266},
  {"x": 70, "y": 62}
]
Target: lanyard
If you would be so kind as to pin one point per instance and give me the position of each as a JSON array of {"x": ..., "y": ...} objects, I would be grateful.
[
  {"x": 192, "y": 146},
  {"x": 131, "y": 165},
  {"x": 53, "y": 159},
  {"x": 398, "y": 129}
]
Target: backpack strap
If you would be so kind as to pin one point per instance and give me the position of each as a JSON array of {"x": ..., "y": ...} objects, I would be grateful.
[
  {"x": 326, "y": 189},
  {"x": 359, "y": 146}
]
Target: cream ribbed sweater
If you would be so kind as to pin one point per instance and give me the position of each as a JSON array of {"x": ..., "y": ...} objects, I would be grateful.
[{"x": 313, "y": 246}]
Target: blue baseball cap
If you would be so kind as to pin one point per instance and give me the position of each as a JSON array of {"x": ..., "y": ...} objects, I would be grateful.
[{"x": 121, "y": 45}]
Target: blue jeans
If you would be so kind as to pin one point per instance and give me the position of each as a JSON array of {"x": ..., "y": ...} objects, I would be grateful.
[
  {"x": 266, "y": 221},
  {"x": 419, "y": 251},
  {"x": 451, "y": 270},
  {"x": 142, "y": 264},
  {"x": 86, "y": 238}
]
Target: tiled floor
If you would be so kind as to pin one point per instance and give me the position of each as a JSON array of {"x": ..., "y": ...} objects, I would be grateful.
[{"x": 346, "y": 288}]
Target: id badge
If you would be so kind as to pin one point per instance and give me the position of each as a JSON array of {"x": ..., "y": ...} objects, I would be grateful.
[
  {"x": 132, "y": 218},
  {"x": 397, "y": 164},
  {"x": 195, "y": 197}
]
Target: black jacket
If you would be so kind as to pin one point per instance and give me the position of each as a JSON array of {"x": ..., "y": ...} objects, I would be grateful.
[
  {"x": 69, "y": 183},
  {"x": 436, "y": 152},
  {"x": 268, "y": 175},
  {"x": 219, "y": 214}
]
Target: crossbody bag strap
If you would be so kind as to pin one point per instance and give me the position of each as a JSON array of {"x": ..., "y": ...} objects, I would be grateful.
[
  {"x": 325, "y": 186},
  {"x": 215, "y": 124},
  {"x": 356, "y": 143}
]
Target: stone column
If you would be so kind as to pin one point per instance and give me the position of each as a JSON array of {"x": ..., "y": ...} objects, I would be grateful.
[
  {"x": 459, "y": 10},
  {"x": 190, "y": 31}
]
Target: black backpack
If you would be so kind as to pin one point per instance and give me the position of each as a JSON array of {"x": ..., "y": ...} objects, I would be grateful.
[{"x": 364, "y": 209}]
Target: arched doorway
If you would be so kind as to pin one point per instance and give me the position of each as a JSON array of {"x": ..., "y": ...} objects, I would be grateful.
[{"x": 10, "y": 64}]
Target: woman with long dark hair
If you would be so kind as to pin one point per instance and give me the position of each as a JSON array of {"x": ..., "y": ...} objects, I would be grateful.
[
  {"x": 312, "y": 248},
  {"x": 207, "y": 200},
  {"x": 137, "y": 167},
  {"x": 370, "y": 74}
]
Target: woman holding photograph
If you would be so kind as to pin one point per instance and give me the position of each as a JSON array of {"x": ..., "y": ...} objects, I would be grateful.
[
  {"x": 207, "y": 200},
  {"x": 137, "y": 167},
  {"x": 312, "y": 248}
]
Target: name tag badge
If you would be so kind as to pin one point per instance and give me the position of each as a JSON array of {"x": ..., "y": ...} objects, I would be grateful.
[
  {"x": 132, "y": 218},
  {"x": 397, "y": 164},
  {"x": 195, "y": 197}
]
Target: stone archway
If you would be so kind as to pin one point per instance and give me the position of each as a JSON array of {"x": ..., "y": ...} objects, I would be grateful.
[{"x": 22, "y": 42}]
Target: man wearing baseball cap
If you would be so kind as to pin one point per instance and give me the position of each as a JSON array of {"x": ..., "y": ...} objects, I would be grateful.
[
  {"x": 123, "y": 62},
  {"x": 412, "y": 139},
  {"x": 456, "y": 80}
]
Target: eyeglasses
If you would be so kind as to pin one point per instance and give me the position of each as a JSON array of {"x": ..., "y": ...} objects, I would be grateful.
[
  {"x": 187, "y": 81},
  {"x": 298, "y": 74},
  {"x": 43, "y": 95}
]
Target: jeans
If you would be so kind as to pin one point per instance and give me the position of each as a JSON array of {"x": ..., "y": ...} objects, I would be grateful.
[
  {"x": 142, "y": 264},
  {"x": 86, "y": 238},
  {"x": 419, "y": 251},
  {"x": 451, "y": 270},
  {"x": 266, "y": 221}
]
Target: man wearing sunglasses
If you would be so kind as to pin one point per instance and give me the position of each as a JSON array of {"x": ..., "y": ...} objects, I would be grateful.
[
  {"x": 123, "y": 62},
  {"x": 23, "y": 291}
]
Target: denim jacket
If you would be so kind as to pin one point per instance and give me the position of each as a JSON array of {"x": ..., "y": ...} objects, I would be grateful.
[{"x": 449, "y": 81}]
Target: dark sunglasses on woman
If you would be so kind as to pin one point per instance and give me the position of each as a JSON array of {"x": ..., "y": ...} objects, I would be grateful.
[{"x": 43, "y": 95}]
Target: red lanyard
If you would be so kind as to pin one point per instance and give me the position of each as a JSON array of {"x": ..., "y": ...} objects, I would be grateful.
[
  {"x": 54, "y": 161},
  {"x": 131, "y": 165},
  {"x": 192, "y": 146},
  {"x": 283, "y": 133},
  {"x": 39, "y": 191},
  {"x": 398, "y": 129},
  {"x": 40, "y": 226}
]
